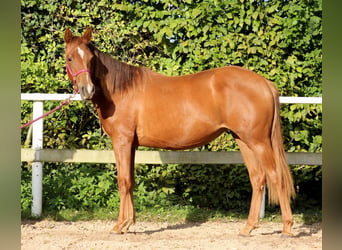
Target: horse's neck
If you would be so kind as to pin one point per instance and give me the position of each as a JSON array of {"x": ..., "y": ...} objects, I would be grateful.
[
  {"x": 105, "y": 106},
  {"x": 100, "y": 72}
]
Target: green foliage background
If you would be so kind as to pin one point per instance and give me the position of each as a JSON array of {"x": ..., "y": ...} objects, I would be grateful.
[{"x": 281, "y": 40}]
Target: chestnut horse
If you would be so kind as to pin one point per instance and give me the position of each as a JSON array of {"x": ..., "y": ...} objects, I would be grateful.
[{"x": 137, "y": 106}]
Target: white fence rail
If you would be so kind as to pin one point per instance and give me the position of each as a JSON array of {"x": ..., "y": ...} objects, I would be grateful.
[
  {"x": 60, "y": 97},
  {"x": 37, "y": 154}
]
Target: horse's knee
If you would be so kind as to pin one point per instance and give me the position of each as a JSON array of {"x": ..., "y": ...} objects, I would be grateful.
[
  {"x": 258, "y": 186},
  {"x": 125, "y": 185},
  {"x": 257, "y": 178},
  {"x": 268, "y": 165}
]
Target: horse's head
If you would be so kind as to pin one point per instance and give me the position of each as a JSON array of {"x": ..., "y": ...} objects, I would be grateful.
[{"x": 78, "y": 58}]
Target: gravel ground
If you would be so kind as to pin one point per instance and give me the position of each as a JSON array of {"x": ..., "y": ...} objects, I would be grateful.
[{"x": 95, "y": 234}]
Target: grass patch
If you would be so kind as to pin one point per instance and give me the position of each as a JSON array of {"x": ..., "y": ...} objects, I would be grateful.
[
  {"x": 309, "y": 216},
  {"x": 187, "y": 214},
  {"x": 175, "y": 214}
]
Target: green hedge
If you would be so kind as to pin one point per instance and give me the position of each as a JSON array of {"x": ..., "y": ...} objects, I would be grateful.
[
  {"x": 87, "y": 187},
  {"x": 281, "y": 40}
]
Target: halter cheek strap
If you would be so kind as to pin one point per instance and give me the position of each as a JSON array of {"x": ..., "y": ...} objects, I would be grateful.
[{"x": 69, "y": 72}]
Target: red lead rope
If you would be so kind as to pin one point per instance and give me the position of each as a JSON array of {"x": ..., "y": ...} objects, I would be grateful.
[{"x": 65, "y": 102}]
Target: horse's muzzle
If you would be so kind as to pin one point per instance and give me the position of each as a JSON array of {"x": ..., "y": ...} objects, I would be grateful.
[{"x": 87, "y": 92}]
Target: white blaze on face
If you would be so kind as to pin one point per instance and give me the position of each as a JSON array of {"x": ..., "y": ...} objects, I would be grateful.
[
  {"x": 80, "y": 52},
  {"x": 88, "y": 85}
]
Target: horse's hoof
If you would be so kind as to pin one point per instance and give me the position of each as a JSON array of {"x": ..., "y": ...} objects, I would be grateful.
[
  {"x": 114, "y": 232},
  {"x": 286, "y": 235},
  {"x": 244, "y": 234}
]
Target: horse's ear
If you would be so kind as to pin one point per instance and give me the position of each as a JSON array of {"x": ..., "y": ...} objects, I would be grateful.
[
  {"x": 87, "y": 35},
  {"x": 67, "y": 35}
]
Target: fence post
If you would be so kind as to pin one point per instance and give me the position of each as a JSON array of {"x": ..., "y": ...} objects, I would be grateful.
[
  {"x": 37, "y": 168},
  {"x": 262, "y": 209}
]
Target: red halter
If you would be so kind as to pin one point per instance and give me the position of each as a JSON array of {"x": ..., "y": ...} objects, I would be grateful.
[{"x": 69, "y": 71}]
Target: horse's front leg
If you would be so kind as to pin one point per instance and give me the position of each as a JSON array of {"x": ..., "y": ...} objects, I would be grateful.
[{"x": 124, "y": 154}]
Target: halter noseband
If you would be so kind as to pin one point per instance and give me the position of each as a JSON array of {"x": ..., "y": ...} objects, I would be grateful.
[{"x": 75, "y": 74}]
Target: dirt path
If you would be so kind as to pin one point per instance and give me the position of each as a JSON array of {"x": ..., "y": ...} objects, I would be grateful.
[{"x": 147, "y": 235}]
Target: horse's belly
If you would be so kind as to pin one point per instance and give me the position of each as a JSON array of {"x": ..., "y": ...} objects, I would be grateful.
[{"x": 178, "y": 134}]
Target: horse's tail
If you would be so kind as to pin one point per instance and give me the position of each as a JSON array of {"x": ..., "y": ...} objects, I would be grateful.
[{"x": 282, "y": 168}]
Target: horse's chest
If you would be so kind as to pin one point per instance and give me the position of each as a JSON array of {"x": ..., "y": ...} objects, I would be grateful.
[{"x": 106, "y": 131}]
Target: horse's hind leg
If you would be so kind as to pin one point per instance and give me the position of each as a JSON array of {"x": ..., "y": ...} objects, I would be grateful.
[
  {"x": 257, "y": 179},
  {"x": 264, "y": 153}
]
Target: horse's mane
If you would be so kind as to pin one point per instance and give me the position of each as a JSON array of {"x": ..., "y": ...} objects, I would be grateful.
[{"x": 117, "y": 76}]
